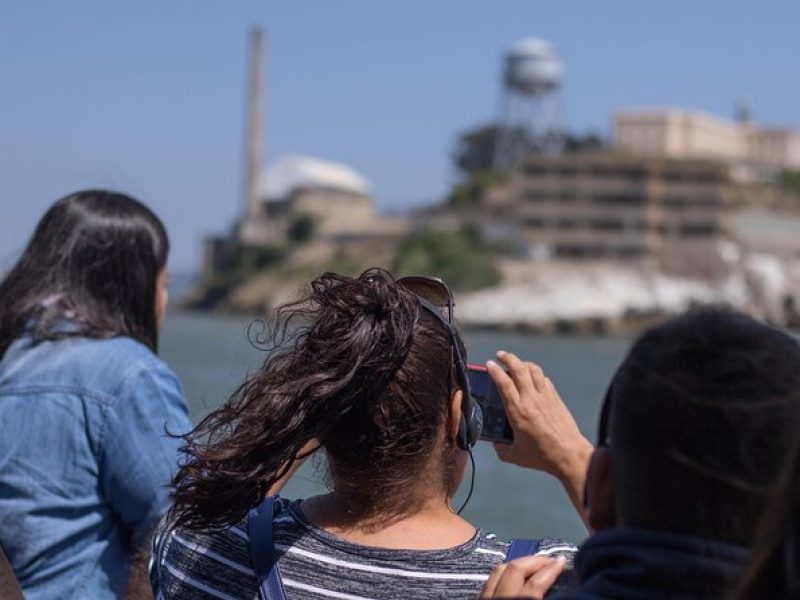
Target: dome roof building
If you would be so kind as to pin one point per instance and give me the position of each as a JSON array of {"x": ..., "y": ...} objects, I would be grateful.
[{"x": 293, "y": 173}]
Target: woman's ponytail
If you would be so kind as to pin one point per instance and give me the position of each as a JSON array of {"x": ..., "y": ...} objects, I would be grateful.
[{"x": 343, "y": 377}]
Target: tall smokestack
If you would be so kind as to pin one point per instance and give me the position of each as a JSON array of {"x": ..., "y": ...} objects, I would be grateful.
[{"x": 255, "y": 126}]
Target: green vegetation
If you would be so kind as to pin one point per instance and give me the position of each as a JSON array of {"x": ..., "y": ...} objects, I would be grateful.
[
  {"x": 242, "y": 263},
  {"x": 474, "y": 151},
  {"x": 457, "y": 256},
  {"x": 590, "y": 142},
  {"x": 470, "y": 192},
  {"x": 339, "y": 263},
  {"x": 473, "y": 158},
  {"x": 301, "y": 229},
  {"x": 789, "y": 181},
  {"x": 252, "y": 259}
]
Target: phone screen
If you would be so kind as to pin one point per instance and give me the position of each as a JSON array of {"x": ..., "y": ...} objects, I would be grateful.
[{"x": 483, "y": 389}]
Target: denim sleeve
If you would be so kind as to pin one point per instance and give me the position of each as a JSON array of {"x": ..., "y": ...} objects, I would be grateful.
[{"x": 139, "y": 459}]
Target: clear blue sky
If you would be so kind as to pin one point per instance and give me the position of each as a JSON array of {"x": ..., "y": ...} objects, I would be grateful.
[{"x": 148, "y": 96}]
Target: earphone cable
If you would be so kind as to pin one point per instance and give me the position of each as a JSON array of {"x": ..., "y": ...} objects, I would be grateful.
[{"x": 471, "y": 481}]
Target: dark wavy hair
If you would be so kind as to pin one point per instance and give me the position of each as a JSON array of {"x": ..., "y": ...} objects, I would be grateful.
[
  {"x": 359, "y": 367},
  {"x": 93, "y": 260}
]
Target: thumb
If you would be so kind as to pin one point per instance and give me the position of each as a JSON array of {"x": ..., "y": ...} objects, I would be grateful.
[{"x": 503, "y": 451}]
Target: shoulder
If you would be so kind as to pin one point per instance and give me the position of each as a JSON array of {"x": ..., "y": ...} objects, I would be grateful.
[
  {"x": 137, "y": 361},
  {"x": 489, "y": 545},
  {"x": 121, "y": 367},
  {"x": 312, "y": 559},
  {"x": 556, "y": 547},
  {"x": 185, "y": 563},
  {"x": 93, "y": 367},
  {"x": 129, "y": 356}
]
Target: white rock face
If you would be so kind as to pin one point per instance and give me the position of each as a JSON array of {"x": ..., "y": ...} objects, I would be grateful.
[{"x": 569, "y": 292}]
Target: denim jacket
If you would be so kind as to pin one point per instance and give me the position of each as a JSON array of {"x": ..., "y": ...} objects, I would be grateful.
[{"x": 84, "y": 460}]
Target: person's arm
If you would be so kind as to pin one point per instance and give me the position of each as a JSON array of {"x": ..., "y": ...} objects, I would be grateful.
[
  {"x": 138, "y": 458},
  {"x": 9, "y": 586},
  {"x": 546, "y": 436}
]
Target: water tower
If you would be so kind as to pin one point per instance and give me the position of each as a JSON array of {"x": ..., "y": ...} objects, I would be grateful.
[{"x": 530, "y": 103}]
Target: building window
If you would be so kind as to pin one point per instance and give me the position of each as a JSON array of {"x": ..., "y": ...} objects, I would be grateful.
[
  {"x": 617, "y": 199},
  {"x": 697, "y": 229}
]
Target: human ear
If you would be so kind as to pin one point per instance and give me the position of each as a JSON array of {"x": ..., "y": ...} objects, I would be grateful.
[
  {"x": 600, "y": 498},
  {"x": 162, "y": 296},
  {"x": 455, "y": 414}
]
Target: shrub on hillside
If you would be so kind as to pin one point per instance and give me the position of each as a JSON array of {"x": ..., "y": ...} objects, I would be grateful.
[{"x": 457, "y": 256}]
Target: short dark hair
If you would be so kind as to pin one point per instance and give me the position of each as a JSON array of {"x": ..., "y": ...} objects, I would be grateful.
[
  {"x": 774, "y": 571},
  {"x": 704, "y": 410},
  {"x": 367, "y": 373},
  {"x": 93, "y": 260}
]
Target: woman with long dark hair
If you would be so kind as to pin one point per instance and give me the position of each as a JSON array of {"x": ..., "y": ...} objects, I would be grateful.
[
  {"x": 373, "y": 375},
  {"x": 84, "y": 399}
]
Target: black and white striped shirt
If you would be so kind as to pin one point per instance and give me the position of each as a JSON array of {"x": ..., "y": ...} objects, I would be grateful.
[{"x": 315, "y": 564}]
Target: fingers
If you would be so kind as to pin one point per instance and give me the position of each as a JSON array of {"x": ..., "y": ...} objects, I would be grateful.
[
  {"x": 505, "y": 385},
  {"x": 528, "y": 576},
  {"x": 518, "y": 371},
  {"x": 526, "y": 375},
  {"x": 491, "y": 584},
  {"x": 537, "y": 376},
  {"x": 538, "y": 585}
]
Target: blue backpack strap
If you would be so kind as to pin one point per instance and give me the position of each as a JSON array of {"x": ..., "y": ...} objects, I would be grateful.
[
  {"x": 262, "y": 550},
  {"x": 521, "y": 547}
]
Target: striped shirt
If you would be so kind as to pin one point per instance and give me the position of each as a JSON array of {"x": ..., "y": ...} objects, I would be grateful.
[{"x": 315, "y": 564}]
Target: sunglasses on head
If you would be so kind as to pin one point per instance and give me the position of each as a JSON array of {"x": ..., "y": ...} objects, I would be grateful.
[
  {"x": 434, "y": 291},
  {"x": 436, "y": 298}
]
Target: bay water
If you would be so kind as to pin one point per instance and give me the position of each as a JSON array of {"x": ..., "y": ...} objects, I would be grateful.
[{"x": 212, "y": 355}]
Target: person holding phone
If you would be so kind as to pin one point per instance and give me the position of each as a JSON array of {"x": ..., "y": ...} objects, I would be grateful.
[
  {"x": 375, "y": 377},
  {"x": 529, "y": 424}
]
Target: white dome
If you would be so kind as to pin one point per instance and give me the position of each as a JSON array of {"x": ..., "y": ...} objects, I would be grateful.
[
  {"x": 292, "y": 172},
  {"x": 533, "y": 66}
]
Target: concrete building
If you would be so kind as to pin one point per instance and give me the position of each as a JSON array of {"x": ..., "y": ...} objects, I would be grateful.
[
  {"x": 333, "y": 195},
  {"x": 678, "y": 133},
  {"x": 666, "y": 213},
  {"x": 330, "y": 201}
]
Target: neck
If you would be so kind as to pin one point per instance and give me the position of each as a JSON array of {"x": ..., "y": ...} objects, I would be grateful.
[{"x": 430, "y": 524}]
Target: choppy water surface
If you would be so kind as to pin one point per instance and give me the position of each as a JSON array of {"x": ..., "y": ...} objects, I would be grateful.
[{"x": 212, "y": 356}]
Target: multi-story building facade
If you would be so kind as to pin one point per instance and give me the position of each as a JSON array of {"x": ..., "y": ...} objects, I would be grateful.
[
  {"x": 677, "y": 133},
  {"x": 604, "y": 205}
]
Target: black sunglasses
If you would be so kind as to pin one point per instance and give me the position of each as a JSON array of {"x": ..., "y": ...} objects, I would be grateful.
[
  {"x": 433, "y": 290},
  {"x": 436, "y": 298}
]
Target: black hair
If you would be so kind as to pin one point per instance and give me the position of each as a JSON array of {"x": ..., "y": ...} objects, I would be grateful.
[
  {"x": 93, "y": 261},
  {"x": 774, "y": 571},
  {"x": 367, "y": 373},
  {"x": 705, "y": 408}
]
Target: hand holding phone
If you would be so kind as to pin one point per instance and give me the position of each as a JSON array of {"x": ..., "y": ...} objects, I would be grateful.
[
  {"x": 546, "y": 436},
  {"x": 496, "y": 427}
]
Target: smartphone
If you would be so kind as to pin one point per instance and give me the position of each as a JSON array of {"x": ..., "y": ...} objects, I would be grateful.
[{"x": 495, "y": 422}]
